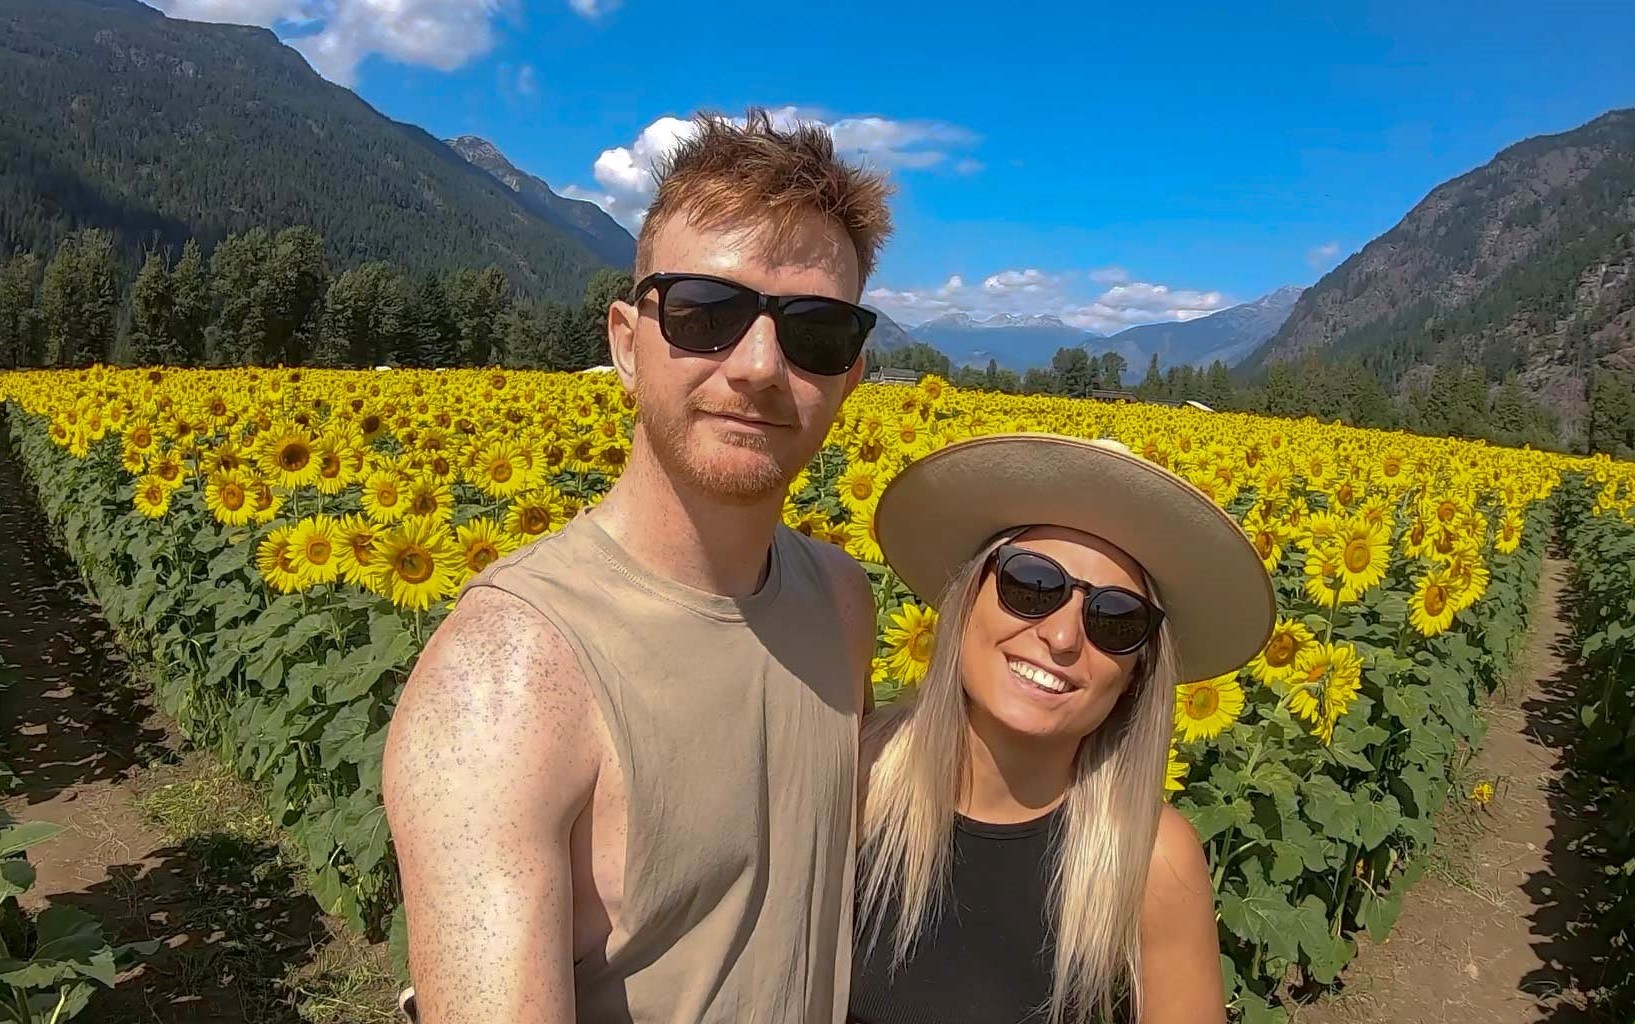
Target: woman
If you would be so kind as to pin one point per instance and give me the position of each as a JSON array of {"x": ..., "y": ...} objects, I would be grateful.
[{"x": 1018, "y": 862}]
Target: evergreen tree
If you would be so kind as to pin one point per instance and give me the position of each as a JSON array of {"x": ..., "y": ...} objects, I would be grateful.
[
  {"x": 1509, "y": 419},
  {"x": 1218, "y": 392},
  {"x": 363, "y": 320},
  {"x": 297, "y": 277},
  {"x": 153, "y": 304},
  {"x": 1282, "y": 397},
  {"x": 22, "y": 335},
  {"x": 1072, "y": 372},
  {"x": 1038, "y": 381},
  {"x": 430, "y": 336},
  {"x": 79, "y": 300},
  {"x": 588, "y": 346},
  {"x": 477, "y": 298},
  {"x": 190, "y": 306},
  {"x": 1371, "y": 406},
  {"x": 238, "y": 271},
  {"x": 991, "y": 377},
  {"x": 1110, "y": 370},
  {"x": 1151, "y": 387}
]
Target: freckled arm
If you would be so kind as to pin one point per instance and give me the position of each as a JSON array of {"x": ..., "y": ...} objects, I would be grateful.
[{"x": 490, "y": 758}]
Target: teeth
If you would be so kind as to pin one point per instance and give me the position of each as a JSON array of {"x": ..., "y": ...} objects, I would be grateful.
[{"x": 1039, "y": 677}]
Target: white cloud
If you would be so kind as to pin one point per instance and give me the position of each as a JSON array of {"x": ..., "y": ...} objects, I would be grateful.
[
  {"x": 626, "y": 174},
  {"x": 336, "y": 36},
  {"x": 528, "y": 81},
  {"x": 594, "y": 8},
  {"x": 1320, "y": 256},
  {"x": 1031, "y": 291}
]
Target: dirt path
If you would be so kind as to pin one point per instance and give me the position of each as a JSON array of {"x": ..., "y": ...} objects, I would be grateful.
[
  {"x": 89, "y": 753},
  {"x": 1493, "y": 933}
]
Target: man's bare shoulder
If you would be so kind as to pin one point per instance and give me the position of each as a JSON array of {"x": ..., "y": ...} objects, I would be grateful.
[{"x": 498, "y": 688}]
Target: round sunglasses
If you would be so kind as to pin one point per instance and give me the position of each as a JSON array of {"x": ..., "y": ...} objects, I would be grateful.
[
  {"x": 1033, "y": 586},
  {"x": 703, "y": 314}
]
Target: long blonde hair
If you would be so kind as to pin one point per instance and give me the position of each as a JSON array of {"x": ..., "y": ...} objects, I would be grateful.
[{"x": 1105, "y": 840}]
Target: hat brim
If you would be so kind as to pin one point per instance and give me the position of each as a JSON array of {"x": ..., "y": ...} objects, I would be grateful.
[{"x": 1216, "y": 594}]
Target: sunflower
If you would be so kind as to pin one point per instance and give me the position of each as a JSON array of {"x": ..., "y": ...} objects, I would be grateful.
[
  {"x": 1204, "y": 708},
  {"x": 354, "y": 545},
  {"x": 1430, "y": 609},
  {"x": 335, "y": 467},
  {"x": 498, "y": 469},
  {"x": 1324, "y": 584},
  {"x": 1275, "y": 662},
  {"x": 132, "y": 461},
  {"x": 413, "y": 563},
  {"x": 1325, "y": 682},
  {"x": 482, "y": 541},
  {"x": 1268, "y": 536},
  {"x": 432, "y": 498},
  {"x": 861, "y": 541},
  {"x": 227, "y": 496},
  {"x": 314, "y": 551},
  {"x": 288, "y": 457},
  {"x": 535, "y": 513},
  {"x": 265, "y": 504},
  {"x": 152, "y": 497},
  {"x": 1508, "y": 537},
  {"x": 170, "y": 469},
  {"x": 1175, "y": 772},
  {"x": 909, "y": 642},
  {"x": 385, "y": 496},
  {"x": 1365, "y": 555},
  {"x": 858, "y": 487},
  {"x": 274, "y": 560}
]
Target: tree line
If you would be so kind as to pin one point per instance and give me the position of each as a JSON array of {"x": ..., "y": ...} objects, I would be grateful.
[{"x": 263, "y": 298}]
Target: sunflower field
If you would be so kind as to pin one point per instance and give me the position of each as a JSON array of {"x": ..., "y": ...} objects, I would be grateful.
[
  {"x": 280, "y": 542},
  {"x": 1598, "y": 525}
]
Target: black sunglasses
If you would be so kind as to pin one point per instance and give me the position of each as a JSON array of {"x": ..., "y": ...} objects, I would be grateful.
[
  {"x": 702, "y": 314},
  {"x": 1033, "y": 586}
]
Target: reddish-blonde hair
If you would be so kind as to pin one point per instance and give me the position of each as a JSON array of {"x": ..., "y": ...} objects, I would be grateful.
[{"x": 755, "y": 175}]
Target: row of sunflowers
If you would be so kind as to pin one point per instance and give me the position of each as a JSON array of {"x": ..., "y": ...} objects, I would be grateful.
[{"x": 283, "y": 540}]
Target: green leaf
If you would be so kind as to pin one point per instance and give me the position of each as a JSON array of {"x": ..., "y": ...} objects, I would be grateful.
[
  {"x": 1333, "y": 808},
  {"x": 1256, "y": 1010},
  {"x": 1325, "y": 954},
  {"x": 1214, "y": 819},
  {"x": 1261, "y": 914},
  {"x": 1379, "y": 915},
  {"x": 1378, "y": 820},
  {"x": 20, "y": 836},
  {"x": 16, "y": 876}
]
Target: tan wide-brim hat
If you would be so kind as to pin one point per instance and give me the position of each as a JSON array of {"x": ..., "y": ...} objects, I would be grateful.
[{"x": 941, "y": 509}]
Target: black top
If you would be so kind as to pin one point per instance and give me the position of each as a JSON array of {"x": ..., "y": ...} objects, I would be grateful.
[{"x": 988, "y": 958}]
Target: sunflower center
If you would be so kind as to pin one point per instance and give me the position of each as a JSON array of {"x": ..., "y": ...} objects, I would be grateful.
[
  {"x": 1345, "y": 494},
  {"x": 170, "y": 470},
  {"x": 318, "y": 551},
  {"x": 386, "y": 495},
  {"x": 154, "y": 494},
  {"x": 330, "y": 466},
  {"x": 413, "y": 564},
  {"x": 362, "y": 547},
  {"x": 371, "y": 424},
  {"x": 424, "y": 504},
  {"x": 1357, "y": 555},
  {"x": 292, "y": 458},
  {"x": 232, "y": 497},
  {"x": 534, "y": 520},
  {"x": 141, "y": 437},
  {"x": 1264, "y": 544},
  {"x": 500, "y": 472},
  {"x": 862, "y": 487},
  {"x": 1436, "y": 599},
  {"x": 1203, "y": 702},
  {"x": 1281, "y": 650},
  {"x": 481, "y": 554},
  {"x": 440, "y": 466},
  {"x": 920, "y": 649},
  {"x": 1445, "y": 511}
]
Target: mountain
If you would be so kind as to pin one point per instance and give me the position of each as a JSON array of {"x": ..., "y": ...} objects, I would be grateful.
[
  {"x": 1015, "y": 342},
  {"x": 585, "y": 221},
  {"x": 887, "y": 334},
  {"x": 157, "y": 129},
  {"x": 1228, "y": 335},
  {"x": 1525, "y": 265}
]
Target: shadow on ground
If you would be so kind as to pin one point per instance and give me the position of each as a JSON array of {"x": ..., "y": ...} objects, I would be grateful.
[
  {"x": 1565, "y": 893},
  {"x": 230, "y": 928},
  {"x": 72, "y": 715}
]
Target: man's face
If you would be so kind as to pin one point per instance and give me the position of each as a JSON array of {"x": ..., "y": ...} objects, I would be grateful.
[{"x": 736, "y": 425}]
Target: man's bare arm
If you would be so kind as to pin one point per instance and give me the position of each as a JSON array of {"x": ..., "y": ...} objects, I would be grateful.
[{"x": 490, "y": 758}]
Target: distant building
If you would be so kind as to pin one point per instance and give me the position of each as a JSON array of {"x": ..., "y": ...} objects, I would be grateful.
[
  {"x": 892, "y": 375},
  {"x": 1102, "y": 395}
]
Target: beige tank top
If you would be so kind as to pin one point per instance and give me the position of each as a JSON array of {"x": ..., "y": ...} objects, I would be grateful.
[{"x": 735, "y": 724}]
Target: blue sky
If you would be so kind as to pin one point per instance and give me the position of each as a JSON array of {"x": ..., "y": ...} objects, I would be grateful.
[{"x": 1108, "y": 164}]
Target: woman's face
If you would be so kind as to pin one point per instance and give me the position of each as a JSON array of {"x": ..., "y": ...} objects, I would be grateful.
[{"x": 1001, "y": 651}]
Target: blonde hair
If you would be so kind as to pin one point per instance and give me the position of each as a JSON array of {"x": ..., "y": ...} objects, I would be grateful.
[
  {"x": 725, "y": 174},
  {"x": 1104, "y": 843}
]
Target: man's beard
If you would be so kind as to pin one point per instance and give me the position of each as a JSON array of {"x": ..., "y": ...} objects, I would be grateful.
[{"x": 746, "y": 481}]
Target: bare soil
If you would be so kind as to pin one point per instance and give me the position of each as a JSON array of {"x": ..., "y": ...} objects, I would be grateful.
[{"x": 1495, "y": 932}]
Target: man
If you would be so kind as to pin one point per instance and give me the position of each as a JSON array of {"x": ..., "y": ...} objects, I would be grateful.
[{"x": 621, "y": 777}]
